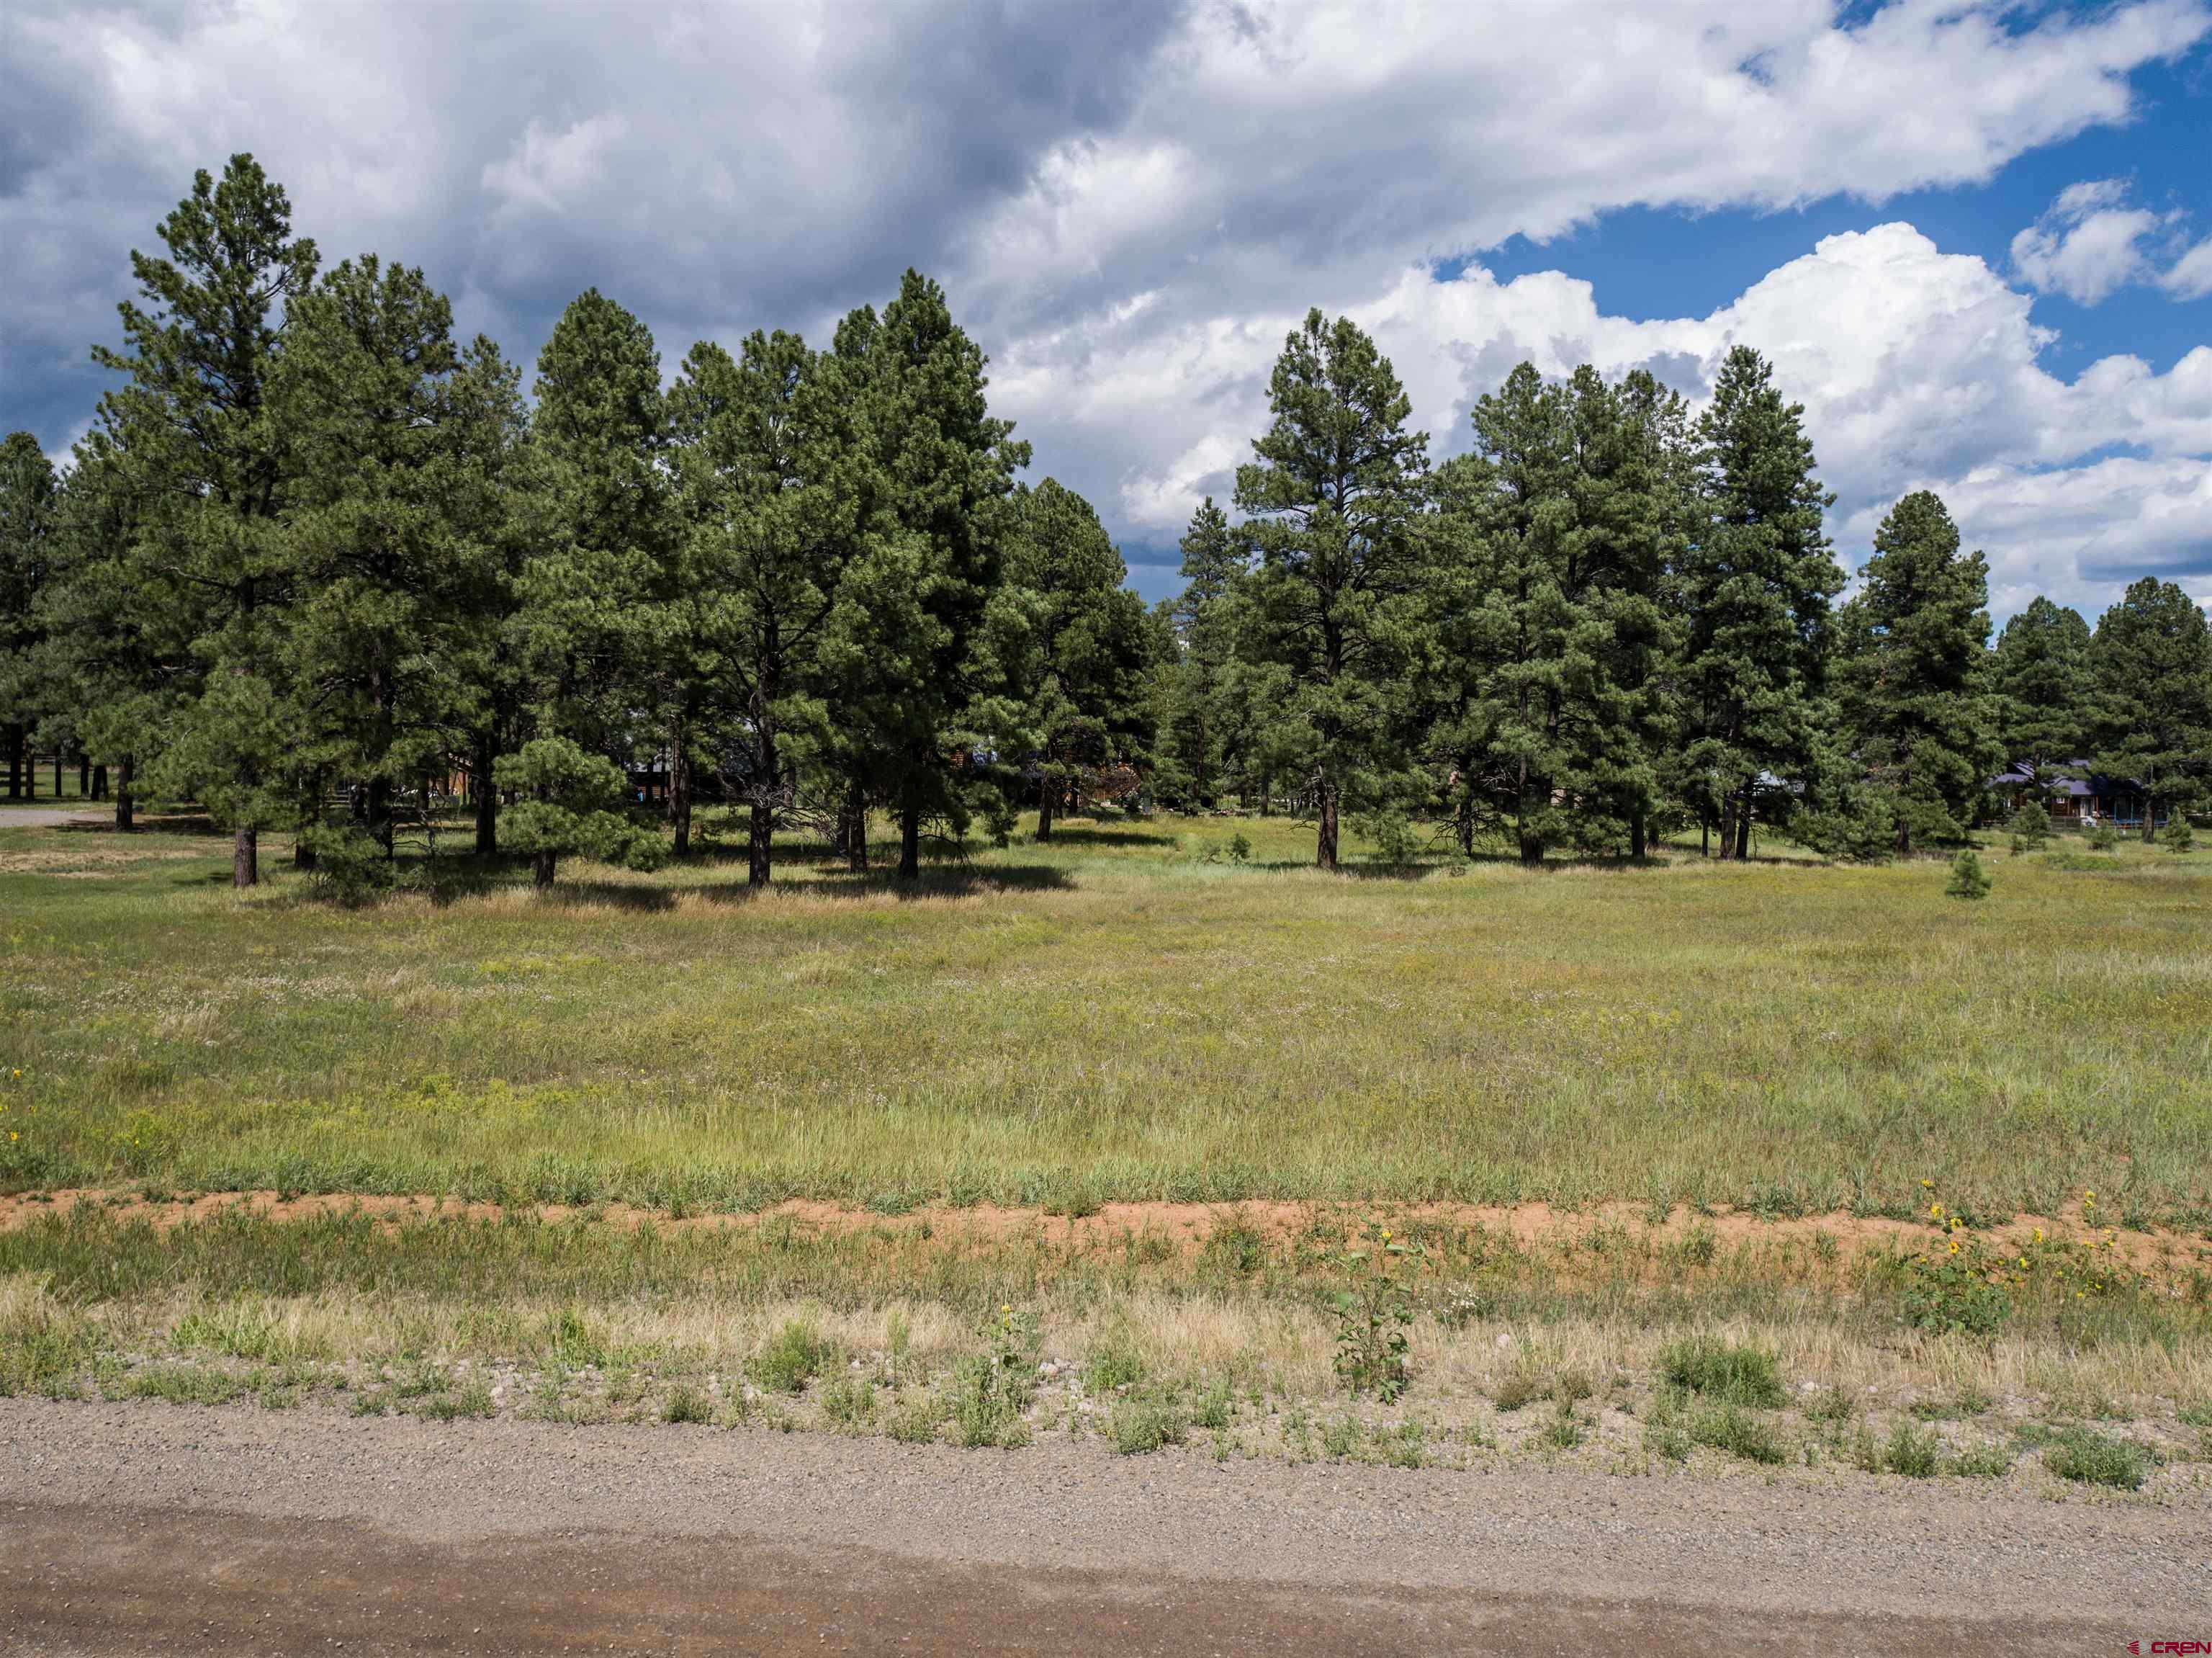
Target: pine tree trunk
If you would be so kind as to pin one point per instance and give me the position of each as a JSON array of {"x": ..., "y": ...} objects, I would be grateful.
[
  {"x": 99, "y": 783},
  {"x": 1635, "y": 844},
  {"x": 123, "y": 775},
  {"x": 14, "y": 762},
  {"x": 57, "y": 771},
  {"x": 1325, "y": 800},
  {"x": 1743, "y": 825},
  {"x": 855, "y": 826},
  {"x": 83, "y": 777},
  {"x": 245, "y": 857},
  {"x": 487, "y": 796},
  {"x": 1046, "y": 788},
  {"x": 680, "y": 793},
  {"x": 541, "y": 870},
  {"x": 1728, "y": 828},
  {"x": 909, "y": 863},
  {"x": 2150, "y": 819},
  {"x": 380, "y": 813}
]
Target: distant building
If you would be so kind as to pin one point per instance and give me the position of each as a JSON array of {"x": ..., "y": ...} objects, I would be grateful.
[{"x": 2083, "y": 797}]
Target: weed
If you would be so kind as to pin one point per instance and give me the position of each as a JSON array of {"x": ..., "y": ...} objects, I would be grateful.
[
  {"x": 1143, "y": 1421},
  {"x": 849, "y": 1402},
  {"x": 1981, "y": 1462},
  {"x": 1519, "y": 1387},
  {"x": 1373, "y": 1312},
  {"x": 1723, "y": 1370},
  {"x": 790, "y": 1359},
  {"x": 2095, "y": 1458},
  {"x": 1112, "y": 1362},
  {"x": 686, "y": 1401},
  {"x": 1916, "y": 1452},
  {"x": 1564, "y": 1431},
  {"x": 1831, "y": 1406},
  {"x": 913, "y": 1420},
  {"x": 1340, "y": 1437},
  {"x": 1739, "y": 1432}
]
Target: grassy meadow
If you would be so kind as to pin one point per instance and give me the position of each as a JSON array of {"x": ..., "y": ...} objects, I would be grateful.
[
  {"x": 1125, "y": 1013},
  {"x": 1134, "y": 1012}
]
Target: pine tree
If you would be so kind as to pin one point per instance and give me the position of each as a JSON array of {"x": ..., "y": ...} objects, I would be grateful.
[
  {"x": 194, "y": 422},
  {"x": 28, "y": 494},
  {"x": 388, "y": 645},
  {"x": 1755, "y": 585},
  {"x": 2040, "y": 677},
  {"x": 1332, "y": 500},
  {"x": 1557, "y": 530},
  {"x": 2150, "y": 715},
  {"x": 1196, "y": 728},
  {"x": 591, "y": 640},
  {"x": 1088, "y": 644},
  {"x": 114, "y": 652},
  {"x": 769, "y": 462},
  {"x": 1912, "y": 680},
  {"x": 918, "y": 659}
]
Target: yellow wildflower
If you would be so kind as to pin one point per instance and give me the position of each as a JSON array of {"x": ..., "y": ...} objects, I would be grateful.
[{"x": 1936, "y": 1209}]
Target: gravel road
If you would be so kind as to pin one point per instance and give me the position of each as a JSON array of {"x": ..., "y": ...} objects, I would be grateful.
[{"x": 153, "y": 1529}]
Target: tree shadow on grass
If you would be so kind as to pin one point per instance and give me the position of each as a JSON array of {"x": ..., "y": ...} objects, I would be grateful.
[
  {"x": 1064, "y": 836},
  {"x": 935, "y": 880}
]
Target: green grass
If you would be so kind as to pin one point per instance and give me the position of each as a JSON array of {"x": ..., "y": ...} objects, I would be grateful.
[{"x": 1113, "y": 1015}]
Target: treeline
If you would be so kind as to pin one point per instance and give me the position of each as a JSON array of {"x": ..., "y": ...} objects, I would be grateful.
[{"x": 316, "y": 556}]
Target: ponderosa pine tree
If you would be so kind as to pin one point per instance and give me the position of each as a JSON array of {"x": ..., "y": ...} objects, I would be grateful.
[
  {"x": 592, "y": 636},
  {"x": 1331, "y": 501},
  {"x": 114, "y": 651},
  {"x": 914, "y": 654},
  {"x": 193, "y": 422},
  {"x": 1087, "y": 644},
  {"x": 1912, "y": 679},
  {"x": 770, "y": 467},
  {"x": 388, "y": 642},
  {"x": 27, "y": 520},
  {"x": 1193, "y": 727},
  {"x": 2150, "y": 711},
  {"x": 1554, "y": 535},
  {"x": 2039, "y": 674},
  {"x": 1754, "y": 585}
]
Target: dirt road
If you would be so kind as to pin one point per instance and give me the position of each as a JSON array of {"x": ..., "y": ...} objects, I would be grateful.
[
  {"x": 54, "y": 817},
  {"x": 144, "y": 1528}
]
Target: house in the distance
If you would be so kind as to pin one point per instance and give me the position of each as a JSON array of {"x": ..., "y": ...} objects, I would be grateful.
[{"x": 2082, "y": 797}]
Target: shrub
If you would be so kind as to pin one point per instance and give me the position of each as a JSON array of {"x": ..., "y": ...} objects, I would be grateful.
[
  {"x": 1739, "y": 1432},
  {"x": 791, "y": 1358},
  {"x": 1968, "y": 879},
  {"x": 1983, "y": 1462},
  {"x": 351, "y": 866},
  {"x": 1112, "y": 1360},
  {"x": 1564, "y": 1431},
  {"x": 1393, "y": 838},
  {"x": 914, "y": 1421},
  {"x": 1915, "y": 1452},
  {"x": 2104, "y": 838},
  {"x": 2178, "y": 836},
  {"x": 1723, "y": 1370},
  {"x": 1520, "y": 1388},
  {"x": 2094, "y": 1459},
  {"x": 687, "y": 1403},
  {"x": 1141, "y": 1422},
  {"x": 849, "y": 1402},
  {"x": 2030, "y": 826}
]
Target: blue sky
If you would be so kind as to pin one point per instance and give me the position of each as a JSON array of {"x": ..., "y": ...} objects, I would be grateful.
[{"x": 1975, "y": 238}]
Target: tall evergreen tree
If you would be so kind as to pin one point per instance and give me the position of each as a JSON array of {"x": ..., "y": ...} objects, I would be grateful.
[
  {"x": 1556, "y": 531},
  {"x": 773, "y": 496},
  {"x": 194, "y": 418},
  {"x": 1331, "y": 498},
  {"x": 27, "y": 520},
  {"x": 916, "y": 666},
  {"x": 1197, "y": 726},
  {"x": 1088, "y": 644},
  {"x": 389, "y": 641},
  {"x": 2040, "y": 676},
  {"x": 591, "y": 634},
  {"x": 114, "y": 651},
  {"x": 1754, "y": 585},
  {"x": 1912, "y": 678},
  {"x": 2150, "y": 715}
]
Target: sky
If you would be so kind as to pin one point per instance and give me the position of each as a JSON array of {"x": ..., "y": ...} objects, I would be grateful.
[{"x": 1974, "y": 238}]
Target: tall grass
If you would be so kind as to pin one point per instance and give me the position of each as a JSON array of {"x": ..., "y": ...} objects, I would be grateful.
[{"x": 1115, "y": 1015}]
